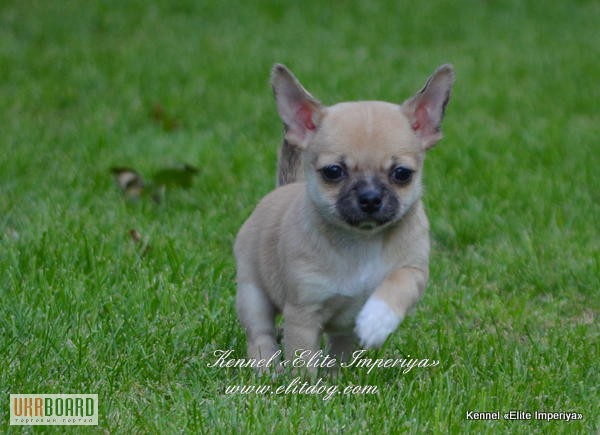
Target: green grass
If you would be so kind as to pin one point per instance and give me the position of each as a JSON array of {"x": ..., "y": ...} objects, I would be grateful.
[{"x": 511, "y": 310}]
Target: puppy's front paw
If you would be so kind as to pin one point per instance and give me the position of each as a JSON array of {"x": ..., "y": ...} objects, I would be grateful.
[{"x": 375, "y": 321}]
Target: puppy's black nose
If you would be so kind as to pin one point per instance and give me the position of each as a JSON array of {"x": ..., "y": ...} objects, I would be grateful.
[{"x": 369, "y": 201}]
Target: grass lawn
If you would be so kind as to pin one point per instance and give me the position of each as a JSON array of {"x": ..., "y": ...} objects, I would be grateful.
[{"x": 512, "y": 192}]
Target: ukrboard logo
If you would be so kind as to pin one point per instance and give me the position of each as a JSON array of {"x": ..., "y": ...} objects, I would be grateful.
[{"x": 54, "y": 409}]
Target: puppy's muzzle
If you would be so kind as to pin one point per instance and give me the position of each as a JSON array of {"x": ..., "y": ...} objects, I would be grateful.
[{"x": 367, "y": 204}]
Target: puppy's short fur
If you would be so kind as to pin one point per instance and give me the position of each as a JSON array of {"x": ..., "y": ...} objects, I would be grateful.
[{"x": 342, "y": 246}]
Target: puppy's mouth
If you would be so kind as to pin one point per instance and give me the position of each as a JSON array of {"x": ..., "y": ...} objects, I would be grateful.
[{"x": 367, "y": 224}]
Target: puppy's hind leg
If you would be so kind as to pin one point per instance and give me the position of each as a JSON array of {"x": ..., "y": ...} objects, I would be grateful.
[
  {"x": 257, "y": 316},
  {"x": 289, "y": 166},
  {"x": 341, "y": 345}
]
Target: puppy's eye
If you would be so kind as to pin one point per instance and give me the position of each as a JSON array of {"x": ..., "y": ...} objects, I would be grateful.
[
  {"x": 333, "y": 172},
  {"x": 402, "y": 175}
]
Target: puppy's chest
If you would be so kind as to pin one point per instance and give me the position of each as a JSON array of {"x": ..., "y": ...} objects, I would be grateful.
[{"x": 355, "y": 274}]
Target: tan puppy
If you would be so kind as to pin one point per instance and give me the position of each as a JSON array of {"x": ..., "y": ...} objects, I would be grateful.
[{"x": 346, "y": 251}]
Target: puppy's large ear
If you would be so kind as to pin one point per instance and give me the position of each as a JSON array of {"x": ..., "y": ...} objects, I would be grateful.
[
  {"x": 301, "y": 112},
  {"x": 426, "y": 109}
]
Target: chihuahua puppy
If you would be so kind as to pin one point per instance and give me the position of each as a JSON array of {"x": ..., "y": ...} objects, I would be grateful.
[{"x": 342, "y": 246}]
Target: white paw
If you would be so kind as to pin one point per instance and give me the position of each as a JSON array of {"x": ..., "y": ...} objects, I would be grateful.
[{"x": 375, "y": 321}]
